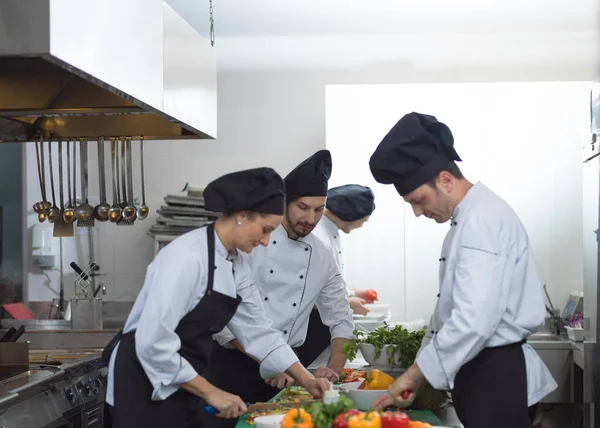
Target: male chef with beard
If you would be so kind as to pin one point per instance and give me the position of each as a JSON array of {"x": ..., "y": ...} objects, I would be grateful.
[{"x": 295, "y": 272}]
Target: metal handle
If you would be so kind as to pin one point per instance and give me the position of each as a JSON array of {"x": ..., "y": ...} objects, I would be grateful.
[
  {"x": 123, "y": 172},
  {"x": 129, "y": 171},
  {"x": 142, "y": 165},
  {"x": 79, "y": 272},
  {"x": 60, "y": 176},
  {"x": 101, "y": 172}
]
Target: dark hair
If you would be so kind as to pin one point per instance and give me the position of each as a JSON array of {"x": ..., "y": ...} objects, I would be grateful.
[{"x": 453, "y": 169}]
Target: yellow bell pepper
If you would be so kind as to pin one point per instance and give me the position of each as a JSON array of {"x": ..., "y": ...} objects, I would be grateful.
[
  {"x": 297, "y": 418},
  {"x": 365, "y": 420},
  {"x": 378, "y": 380}
]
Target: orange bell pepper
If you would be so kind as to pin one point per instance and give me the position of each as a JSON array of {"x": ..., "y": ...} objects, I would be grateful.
[
  {"x": 417, "y": 424},
  {"x": 365, "y": 420},
  {"x": 297, "y": 418},
  {"x": 378, "y": 380}
]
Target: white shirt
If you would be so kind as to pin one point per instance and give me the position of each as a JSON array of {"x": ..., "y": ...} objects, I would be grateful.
[
  {"x": 292, "y": 276},
  {"x": 175, "y": 282},
  {"x": 328, "y": 232},
  {"x": 490, "y": 293}
]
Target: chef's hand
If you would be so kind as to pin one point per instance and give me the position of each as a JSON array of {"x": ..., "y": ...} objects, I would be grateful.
[
  {"x": 358, "y": 306},
  {"x": 327, "y": 373},
  {"x": 228, "y": 405},
  {"x": 402, "y": 392},
  {"x": 316, "y": 387},
  {"x": 280, "y": 381}
]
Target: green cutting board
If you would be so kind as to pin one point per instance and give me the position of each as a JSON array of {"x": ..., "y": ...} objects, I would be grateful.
[{"x": 415, "y": 415}]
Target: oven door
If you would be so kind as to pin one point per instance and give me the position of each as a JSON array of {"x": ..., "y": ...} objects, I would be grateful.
[{"x": 94, "y": 417}]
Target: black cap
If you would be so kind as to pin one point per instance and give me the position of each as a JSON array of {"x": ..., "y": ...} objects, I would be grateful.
[
  {"x": 351, "y": 202},
  {"x": 310, "y": 178},
  {"x": 415, "y": 150},
  {"x": 259, "y": 190}
]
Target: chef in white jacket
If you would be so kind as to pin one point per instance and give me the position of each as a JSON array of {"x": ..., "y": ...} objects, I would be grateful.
[
  {"x": 491, "y": 297},
  {"x": 348, "y": 208},
  {"x": 295, "y": 272},
  {"x": 193, "y": 288}
]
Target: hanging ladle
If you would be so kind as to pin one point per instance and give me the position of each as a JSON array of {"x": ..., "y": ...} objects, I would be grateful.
[
  {"x": 69, "y": 213},
  {"x": 54, "y": 212},
  {"x": 143, "y": 210},
  {"x": 101, "y": 211},
  {"x": 114, "y": 213}
]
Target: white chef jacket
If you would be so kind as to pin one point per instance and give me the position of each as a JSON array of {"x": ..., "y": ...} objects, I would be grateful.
[
  {"x": 175, "y": 282},
  {"x": 328, "y": 232},
  {"x": 490, "y": 293},
  {"x": 292, "y": 276}
]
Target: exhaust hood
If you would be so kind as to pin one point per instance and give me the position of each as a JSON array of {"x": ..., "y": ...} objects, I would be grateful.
[{"x": 103, "y": 68}]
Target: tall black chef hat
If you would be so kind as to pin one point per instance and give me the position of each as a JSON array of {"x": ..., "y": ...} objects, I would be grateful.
[
  {"x": 310, "y": 178},
  {"x": 415, "y": 150},
  {"x": 259, "y": 190},
  {"x": 351, "y": 202}
]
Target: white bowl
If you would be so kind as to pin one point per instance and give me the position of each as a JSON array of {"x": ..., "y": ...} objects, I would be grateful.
[
  {"x": 362, "y": 398},
  {"x": 269, "y": 421},
  {"x": 382, "y": 363}
]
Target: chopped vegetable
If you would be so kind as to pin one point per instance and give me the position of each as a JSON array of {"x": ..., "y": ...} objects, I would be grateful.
[
  {"x": 378, "y": 380},
  {"x": 350, "y": 375},
  {"x": 342, "y": 420},
  {"x": 254, "y": 415},
  {"x": 297, "y": 418},
  {"x": 294, "y": 394},
  {"x": 365, "y": 420},
  {"x": 394, "y": 420},
  {"x": 404, "y": 345},
  {"x": 417, "y": 424},
  {"x": 324, "y": 415}
]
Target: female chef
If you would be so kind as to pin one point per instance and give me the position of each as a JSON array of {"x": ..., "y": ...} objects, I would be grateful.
[{"x": 194, "y": 287}]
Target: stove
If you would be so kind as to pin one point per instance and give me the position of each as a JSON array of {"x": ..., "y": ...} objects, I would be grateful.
[
  {"x": 9, "y": 372},
  {"x": 69, "y": 398}
]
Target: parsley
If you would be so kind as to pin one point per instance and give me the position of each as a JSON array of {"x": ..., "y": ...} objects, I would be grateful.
[{"x": 403, "y": 345}]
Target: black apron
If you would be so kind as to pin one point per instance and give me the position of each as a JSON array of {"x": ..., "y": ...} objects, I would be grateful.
[
  {"x": 133, "y": 405},
  {"x": 318, "y": 338},
  {"x": 490, "y": 391}
]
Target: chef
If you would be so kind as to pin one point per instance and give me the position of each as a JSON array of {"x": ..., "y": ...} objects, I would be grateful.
[
  {"x": 490, "y": 299},
  {"x": 295, "y": 272},
  {"x": 193, "y": 288},
  {"x": 347, "y": 208}
]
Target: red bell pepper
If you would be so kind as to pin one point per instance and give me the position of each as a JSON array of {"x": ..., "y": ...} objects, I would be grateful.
[
  {"x": 394, "y": 420},
  {"x": 342, "y": 420}
]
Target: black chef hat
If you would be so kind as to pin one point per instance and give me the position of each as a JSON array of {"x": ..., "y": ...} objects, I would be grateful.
[
  {"x": 310, "y": 177},
  {"x": 351, "y": 202},
  {"x": 259, "y": 190},
  {"x": 415, "y": 150}
]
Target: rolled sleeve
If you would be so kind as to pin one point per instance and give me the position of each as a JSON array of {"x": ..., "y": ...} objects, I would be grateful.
[
  {"x": 334, "y": 306},
  {"x": 254, "y": 330},
  {"x": 224, "y": 336},
  {"x": 479, "y": 301}
]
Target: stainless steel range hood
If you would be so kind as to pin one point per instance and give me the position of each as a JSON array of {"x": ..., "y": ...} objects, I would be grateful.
[{"x": 103, "y": 67}]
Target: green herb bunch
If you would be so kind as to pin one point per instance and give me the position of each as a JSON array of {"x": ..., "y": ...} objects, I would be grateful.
[{"x": 403, "y": 345}]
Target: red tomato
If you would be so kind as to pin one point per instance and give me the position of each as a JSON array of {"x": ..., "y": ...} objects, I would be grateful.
[{"x": 371, "y": 295}]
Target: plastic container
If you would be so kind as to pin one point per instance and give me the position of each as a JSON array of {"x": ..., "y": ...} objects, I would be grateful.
[{"x": 575, "y": 334}]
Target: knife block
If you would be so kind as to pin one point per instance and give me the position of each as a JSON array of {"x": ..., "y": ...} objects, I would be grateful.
[
  {"x": 86, "y": 314},
  {"x": 14, "y": 353}
]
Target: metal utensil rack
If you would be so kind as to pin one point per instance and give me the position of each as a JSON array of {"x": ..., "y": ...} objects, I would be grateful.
[{"x": 83, "y": 282}]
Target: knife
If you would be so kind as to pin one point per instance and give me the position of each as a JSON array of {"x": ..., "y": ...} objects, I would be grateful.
[
  {"x": 8, "y": 334},
  {"x": 258, "y": 407}
]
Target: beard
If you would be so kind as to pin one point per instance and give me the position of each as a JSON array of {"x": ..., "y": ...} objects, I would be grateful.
[{"x": 302, "y": 230}]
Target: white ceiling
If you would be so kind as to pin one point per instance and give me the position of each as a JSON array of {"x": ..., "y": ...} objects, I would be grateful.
[{"x": 323, "y": 33}]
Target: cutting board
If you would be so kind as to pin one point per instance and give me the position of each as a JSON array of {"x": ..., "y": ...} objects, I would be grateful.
[
  {"x": 19, "y": 311},
  {"x": 415, "y": 415}
]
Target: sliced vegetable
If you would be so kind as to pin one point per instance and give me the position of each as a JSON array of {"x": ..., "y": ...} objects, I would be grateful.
[
  {"x": 342, "y": 420},
  {"x": 417, "y": 424},
  {"x": 297, "y": 418},
  {"x": 365, "y": 420},
  {"x": 394, "y": 420}
]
